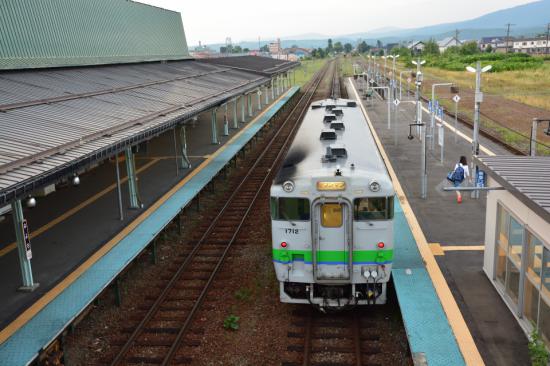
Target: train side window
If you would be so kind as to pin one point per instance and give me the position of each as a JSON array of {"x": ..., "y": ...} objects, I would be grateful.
[
  {"x": 373, "y": 208},
  {"x": 286, "y": 208}
]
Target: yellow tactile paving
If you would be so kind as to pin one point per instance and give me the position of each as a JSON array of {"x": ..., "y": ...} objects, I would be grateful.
[
  {"x": 460, "y": 329},
  {"x": 30, "y": 312}
]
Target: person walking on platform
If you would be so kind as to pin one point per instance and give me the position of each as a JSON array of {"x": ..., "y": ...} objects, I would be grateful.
[{"x": 457, "y": 176}]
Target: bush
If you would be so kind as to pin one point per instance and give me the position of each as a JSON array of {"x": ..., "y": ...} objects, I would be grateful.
[
  {"x": 231, "y": 322},
  {"x": 501, "y": 62}
]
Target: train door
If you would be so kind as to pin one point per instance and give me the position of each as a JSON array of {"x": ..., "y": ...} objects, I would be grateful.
[{"x": 332, "y": 241}]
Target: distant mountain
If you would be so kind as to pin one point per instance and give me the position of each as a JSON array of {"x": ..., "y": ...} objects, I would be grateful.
[{"x": 528, "y": 19}]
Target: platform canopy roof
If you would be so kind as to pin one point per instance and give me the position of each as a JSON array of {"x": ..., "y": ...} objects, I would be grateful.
[
  {"x": 526, "y": 177},
  {"x": 54, "y": 122}
]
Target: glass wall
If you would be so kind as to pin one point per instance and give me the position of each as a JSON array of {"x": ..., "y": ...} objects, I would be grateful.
[{"x": 522, "y": 261}]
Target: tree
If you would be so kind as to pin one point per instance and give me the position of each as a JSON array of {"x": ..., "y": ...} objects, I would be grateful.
[
  {"x": 237, "y": 49},
  {"x": 489, "y": 49},
  {"x": 321, "y": 52},
  {"x": 452, "y": 50},
  {"x": 379, "y": 44},
  {"x": 469, "y": 48},
  {"x": 348, "y": 47},
  {"x": 363, "y": 47},
  {"x": 314, "y": 53},
  {"x": 246, "y": 50},
  {"x": 329, "y": 45},
  {"x": 402, "y": 51},
  {"x": 431, "y": 47},
  {"x": 264, "y": 48},
  {"x": 338, "y": 47}
]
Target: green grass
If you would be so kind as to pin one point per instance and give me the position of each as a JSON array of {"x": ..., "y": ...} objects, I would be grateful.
[
  {"x": 307, "y": 69},
  {"x": 500, "y": 62}
]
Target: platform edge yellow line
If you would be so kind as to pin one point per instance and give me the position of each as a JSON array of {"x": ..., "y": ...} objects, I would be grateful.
[
  {"x": 35, "y": 308},
  {"x": 462, "y": 334}
]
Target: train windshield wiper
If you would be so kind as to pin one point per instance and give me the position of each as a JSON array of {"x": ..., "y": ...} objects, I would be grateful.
[{"x": 285, "y": 216}]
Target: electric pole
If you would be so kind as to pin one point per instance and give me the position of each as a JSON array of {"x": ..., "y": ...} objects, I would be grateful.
[
  {"x": 508, "y": 35},
  {"x": 547, "y": 37}
]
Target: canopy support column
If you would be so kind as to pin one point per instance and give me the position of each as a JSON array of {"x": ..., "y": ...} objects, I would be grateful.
[
  {"x": 132, "y": 178},
  {"x": 235, "y": 119},
  {"x": 214, "y": 127},
  {"x": 185, "y": 162},
  {"x": 23, "y": 249},
  {"x": 225, "y": 122}
]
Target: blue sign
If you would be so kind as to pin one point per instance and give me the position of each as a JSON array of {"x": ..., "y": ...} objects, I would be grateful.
[
  {"x": 440, "y": 112},
  {"x": 436, "y": 104},
  {"x": 430, "y": 105},
  {"x": 480, "y": 178}
]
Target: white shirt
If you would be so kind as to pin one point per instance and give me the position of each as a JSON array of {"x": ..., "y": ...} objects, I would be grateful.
[{"x": 466, "y": 170}]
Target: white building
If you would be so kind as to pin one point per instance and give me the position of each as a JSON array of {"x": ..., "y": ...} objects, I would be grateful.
[
  {"x": 517, "y": 236},
  {"x": 416, "y": 47},
  {"x": 448, "y": 42},
  {"x": 275, "y": 47},
  {"x": 530, "y": 45}
]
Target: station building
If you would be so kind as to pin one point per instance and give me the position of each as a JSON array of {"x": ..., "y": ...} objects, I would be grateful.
[{"x": 517, "y": 237}]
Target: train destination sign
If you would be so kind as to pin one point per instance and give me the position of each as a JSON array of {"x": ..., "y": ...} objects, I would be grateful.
[{"x": 331, "y": 186}]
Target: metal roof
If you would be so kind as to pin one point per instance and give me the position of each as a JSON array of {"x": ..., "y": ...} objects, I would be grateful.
[
  {"x": 265, "y": 65},
  {"x": 54, "y": 122},
  {"x": 38, "y": 33},
  {"x": 526, "y": 177}
]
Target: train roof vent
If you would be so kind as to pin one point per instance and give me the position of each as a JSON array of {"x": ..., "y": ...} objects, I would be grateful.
[
  {"x": 330, "y": 107},
  {"x": 316, "y": 105},
  {"x": 337, "y": 125},
  {"x": 329, "y": 117},
  {"x": 338, "y": 111},
  {"x": 339, "y": 150},
  {"x": 333, "y": 152},
  {"x": 352, "y": 103},
  {"x": 328, "y": 134}
]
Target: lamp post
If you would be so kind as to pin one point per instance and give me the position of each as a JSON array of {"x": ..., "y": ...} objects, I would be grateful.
[
  {"x": 394, "y": 57},
  {"x": 423, "y": 167},
  {"x": 478, "y": 70},
  {"x": 534, "y": 127}
]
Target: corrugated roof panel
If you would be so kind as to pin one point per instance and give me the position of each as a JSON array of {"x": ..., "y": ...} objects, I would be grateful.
[
  {"x": 37, "y": 33},
  {"x": 527, "y": 177}
]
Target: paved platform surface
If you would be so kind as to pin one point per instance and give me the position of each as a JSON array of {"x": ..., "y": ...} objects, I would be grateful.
[
  {"x": 497, "y": 335},
  {"x": 112, "y": 244}
]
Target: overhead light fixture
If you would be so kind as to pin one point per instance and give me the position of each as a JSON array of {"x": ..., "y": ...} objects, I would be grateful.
[
  {"x": 470, "y": 69},
  {"x": 76, "y": 180},
  {"x": 31, "y": 202}
]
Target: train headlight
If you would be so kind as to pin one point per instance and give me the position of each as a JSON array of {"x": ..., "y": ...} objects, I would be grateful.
[
  {"x": 374, "y": 186},
  {"x": 288, "y": 186}
]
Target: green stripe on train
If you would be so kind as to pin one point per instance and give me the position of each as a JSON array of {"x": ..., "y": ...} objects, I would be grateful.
[{"x": 288, "y": 255}]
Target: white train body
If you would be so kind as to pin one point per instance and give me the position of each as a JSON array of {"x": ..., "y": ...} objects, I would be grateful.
[{"x": 332, "y": 212}]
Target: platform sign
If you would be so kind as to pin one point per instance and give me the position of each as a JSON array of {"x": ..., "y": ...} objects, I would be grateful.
[
  {"x": 440, "y": 132},
  {"x": 396, "y": 102},
  {"x": 371, "y": 81},
  {"x": 27, "y": 239},
  {"x": 480, "y": 178},
  {"x": 436, "y": 105},
  {"x": 430, "y": 106},
  {"x": 456, "y": 98},
  {"x": 440, "y": 112}
]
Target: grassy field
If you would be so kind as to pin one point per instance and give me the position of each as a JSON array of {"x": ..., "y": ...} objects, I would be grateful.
[
  {"x": 307, "y": 69},
  {"x": 531, "y": 87},
  {"x": 346, "y": 65}
]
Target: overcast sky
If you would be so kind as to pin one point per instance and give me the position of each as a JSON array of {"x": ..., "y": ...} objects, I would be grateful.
[{"x": 213, "y": 21}]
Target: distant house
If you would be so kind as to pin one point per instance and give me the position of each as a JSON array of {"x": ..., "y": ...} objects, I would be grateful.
[
  {"x": 532, "y": 46},
  {"x": 448, "y": 42},
  {"x": 296, "y": 53},
  {"x": 497, "y": 43},
  {"x": 416, "y": 47}
]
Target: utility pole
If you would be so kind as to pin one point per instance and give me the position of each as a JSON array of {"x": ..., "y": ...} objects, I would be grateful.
[
  {"x": 478, "y": 100},
  {"x": 508, "y": 35},
  {"x": 457, "y": 32},
  {"x": 547, "y": 37}
]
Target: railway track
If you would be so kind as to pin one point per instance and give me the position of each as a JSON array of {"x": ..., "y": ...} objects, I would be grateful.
[
  {"x": 336, "y": 339},
  {"x": 167, "y": 323},
  {"x": 483, "y": 131}
]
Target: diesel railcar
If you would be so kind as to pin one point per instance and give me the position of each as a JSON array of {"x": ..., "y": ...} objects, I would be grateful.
[{"x": 332, "y": 208}]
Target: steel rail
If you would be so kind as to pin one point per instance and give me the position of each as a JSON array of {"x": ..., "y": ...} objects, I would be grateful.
[{"x": 156, "y": 305}]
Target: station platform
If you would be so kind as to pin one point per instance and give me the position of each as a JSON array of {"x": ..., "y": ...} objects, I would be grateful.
[
  {"x": 449, "y": 238},
  {"x": 83, "y": 266}
]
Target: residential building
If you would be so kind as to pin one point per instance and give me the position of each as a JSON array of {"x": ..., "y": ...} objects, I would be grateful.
[
  {"x": 534, "y": 46},
  {"x": 416, "y": 47},
  {"x": 448, "y": 42},
  {"x": 497, "y": 43}
]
